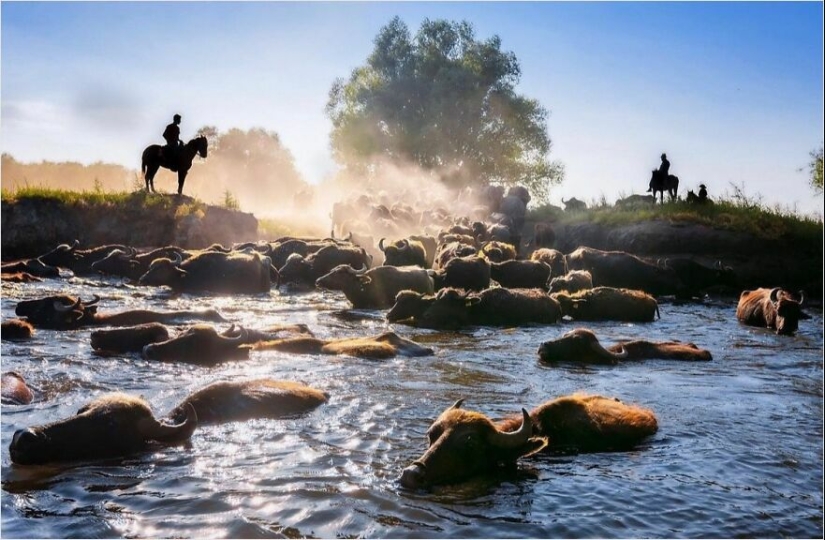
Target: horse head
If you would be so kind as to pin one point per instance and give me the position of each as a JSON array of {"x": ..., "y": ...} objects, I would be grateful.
[{"x": 201, "y": 145}]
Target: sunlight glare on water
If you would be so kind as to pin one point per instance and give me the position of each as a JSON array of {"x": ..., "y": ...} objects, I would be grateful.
[{"x": 738, "y": 452}]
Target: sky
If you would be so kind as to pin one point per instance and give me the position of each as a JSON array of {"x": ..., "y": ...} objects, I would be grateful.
[{"x": 732, "y": 92}]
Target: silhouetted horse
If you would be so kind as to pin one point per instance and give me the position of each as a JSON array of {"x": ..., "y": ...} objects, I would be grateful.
[
  {"x": 669, "y": 184},
  {"x": 153, "y": 159}
]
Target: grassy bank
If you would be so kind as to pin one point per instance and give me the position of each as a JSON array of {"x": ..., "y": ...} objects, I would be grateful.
[
  {"x": 101, "y": 198},
  {"x": 740, "y": 215}
]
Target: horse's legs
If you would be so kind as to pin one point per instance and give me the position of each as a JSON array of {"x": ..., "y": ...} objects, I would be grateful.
[
  {"x": 181, "y": 178},
  {"x": 151, "y": 171}
]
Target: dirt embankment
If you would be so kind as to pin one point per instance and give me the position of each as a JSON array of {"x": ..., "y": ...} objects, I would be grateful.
[
  {"x": 789, "y": 261},
  {"x": 32, "y": 226}
]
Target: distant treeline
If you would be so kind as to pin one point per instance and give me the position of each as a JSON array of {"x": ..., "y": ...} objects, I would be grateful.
[{"x": 251, "y": 167}]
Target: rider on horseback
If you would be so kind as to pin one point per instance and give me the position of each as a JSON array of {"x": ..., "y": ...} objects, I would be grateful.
[
  {"x": 664, "y": 168},
  {"x": 172, "y": 136}
]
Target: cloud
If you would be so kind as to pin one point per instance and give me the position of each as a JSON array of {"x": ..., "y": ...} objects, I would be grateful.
[
  {"x": 107, "y": 108},
  {"x": 34, "y": 116}
]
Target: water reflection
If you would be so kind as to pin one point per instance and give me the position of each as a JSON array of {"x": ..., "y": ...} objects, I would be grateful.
[{"x": 738, "y": 453}]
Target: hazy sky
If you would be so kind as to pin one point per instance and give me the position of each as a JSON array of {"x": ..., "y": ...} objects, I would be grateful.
[{"x": 733, "y": 92}]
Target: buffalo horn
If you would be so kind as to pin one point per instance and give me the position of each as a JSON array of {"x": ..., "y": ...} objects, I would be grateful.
[
  {"x": 362, "y": 270},
  {"x": 177, "y": 259},
  {"x": 774, "y": 295},
  {"x": 381, "y": 244},
  {"x": 95, "y": 299},
  {"x": 405, "y": 244},
  {"x": 801, "y": 297},
  {"x": 456, "y": 405},
  {"x": 153, "y": 430},
  {"x": 516, "y": 438},
  {"x": 348, "y": 237},
  {"x": 61, "y": 308},
  {"x": 240, "y": 338}
]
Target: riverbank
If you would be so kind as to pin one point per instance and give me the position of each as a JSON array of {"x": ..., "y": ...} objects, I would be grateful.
[{"x": 766, "y": 248}]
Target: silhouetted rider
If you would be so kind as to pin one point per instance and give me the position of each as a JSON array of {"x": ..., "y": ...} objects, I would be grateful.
[
  {"x": 172, "y": 136},
  {"x": 664, "y": 168}
]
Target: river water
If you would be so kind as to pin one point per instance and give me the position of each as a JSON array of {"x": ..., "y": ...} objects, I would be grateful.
[{"x": 739, "y": 452}]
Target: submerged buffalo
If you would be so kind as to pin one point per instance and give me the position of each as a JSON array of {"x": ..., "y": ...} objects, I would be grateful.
[
  {"x": 16, "y": 329},
  {"x": 623, "y": 270},
  {"x": 582, "y": 346},
  {"x": 129, "y": 339},
  {"x": 63, "y": 312},
  {"x": 114, "y": 425},
  {"x": 463, "y": 444},
  {"x": 771, "y": 308},
  {"x": 608, "y": 304},
  {"x": 15, "y": 391},
  {"x": 214, "y": 271},
  {"x": 376, "y": 288},
  {"x": 200, "y": 344},
  {"x": 237, "y": 401},
  {"x": 385, "y": 345}
]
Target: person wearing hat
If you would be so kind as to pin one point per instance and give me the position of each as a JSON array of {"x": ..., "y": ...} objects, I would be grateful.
[
  {"x": 703, "y": 193},
  {"x": 172, "y": 136}
]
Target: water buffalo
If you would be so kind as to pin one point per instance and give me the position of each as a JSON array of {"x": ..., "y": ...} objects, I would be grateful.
[
  {"x": 306, "y": 270},
  {"x": 63, "y": 312},
  {"x": 19, "y": 277},
  {"x": 464, "y": 444},
  {"x": 449, "y": 250},
  {"x": 574, "y": 281},
  {"x": 554, "y": 258},
  {"x": 495, "y": 251},
  {"x": 34, "y": 267},
  {"x": 471, "y": 273},
  {"x": 771, "y": 308},
  {"x": 608, "y": 304},
  {"x": 696, "y": 278},
  {"x": 200, "y": 344},
  {"x": 620, "y": 269},
  {"x": 383, "y": 346},
  {"x": 521, "y": 274},
  {"x": 636, "y": 201},
  {"x": 129, "y": 339},
  {"x": 14, "y": 389},
  {"x": 574, "y": 205},
  {"x": 582, "y": 346},
  {"x": 16, "y": 329},
  {"x": 497, "y": 306},
  {"x": 376, "y": 288},
  {"x": 662, "y": 184},
  {"x": 111, "y": 426},
  {"x": 543, "y": 235},
  {"x": 131, "y": 264},
  {"x": 237, "y": 401},
  {"x": 214, "y": 271},
  {"x": 78, "y": 261},
  {"x": 404, "y": 252}
]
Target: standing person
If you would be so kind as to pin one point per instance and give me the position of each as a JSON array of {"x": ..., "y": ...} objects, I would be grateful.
[{"x": 172, "y": 136}]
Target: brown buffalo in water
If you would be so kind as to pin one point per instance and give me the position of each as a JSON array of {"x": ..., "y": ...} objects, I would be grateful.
[
  {"x": 552, "y": 257},
  {"x": 237, "y": 401},
  {"x": 63, "y": 312},
  {"x": 200, "y": 344},
  {"x": 111, "y": 426},
  {"x": 32, "y": 267},
  {"x": 496, "y": 306},
  {"x": 573, "y": 281},
  {"x": 608, "y": 304},
  {"x": 771, "y": 308},
  {"x": 471, "y": 273},
  {"x": 582, "y": 346},
  {"x": 521, "y": 274},
  {"x": 464, "y": 444},
  {"x": 623, "y": 270},
  {"x": 404, "y": 252},
  {"x": 14, "y": 389},
  {"x": 383, "y": 346},
  {"x": 129, "y": 339},
  {"x": 375, "y": 288},
  {"x": 16, "y": 329},
  {"x": 214, "y": 271}
]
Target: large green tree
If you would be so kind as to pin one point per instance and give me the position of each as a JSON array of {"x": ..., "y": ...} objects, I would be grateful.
[{"x": 444, "y": 101}]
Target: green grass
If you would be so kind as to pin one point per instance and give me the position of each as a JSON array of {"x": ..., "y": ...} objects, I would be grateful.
[{"x": 100, "y": 198}]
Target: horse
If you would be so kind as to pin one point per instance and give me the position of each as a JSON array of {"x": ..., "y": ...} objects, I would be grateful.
[
  {"x": 671, "y": 184},
  {"x": 153, "y": 159}
]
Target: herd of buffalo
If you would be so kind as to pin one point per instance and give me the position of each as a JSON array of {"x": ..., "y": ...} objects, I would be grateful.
[{"x": 453, "y": 273}]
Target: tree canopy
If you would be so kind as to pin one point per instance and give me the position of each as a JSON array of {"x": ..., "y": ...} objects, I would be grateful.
[
  {"x": 446, "y": 102},
  {"x": 815, "y": 169}
]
